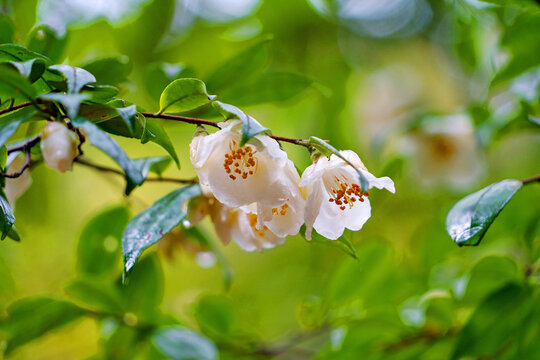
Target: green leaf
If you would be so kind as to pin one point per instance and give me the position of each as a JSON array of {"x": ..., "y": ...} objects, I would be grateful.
[
  {"x": 269, "y": 87},
  {"x": 470, "y": 218},
  {"x": 183, "y": 95},
  {"x": 110, "y": 70},
  {"x": 6, "y": 216},
  {"x": 156, "y": 164},
  {"x": 155, "y": 222},
  {"x": 71, "y": 102},
  {"x": 46, "y": 41},
  {"x": 250, "y": 126},
  {"x": 12, "y": 82},
  {"x": 242, "y": 67},
  {"x": 327, "y": 150},
  {"x": 13, "y": 52},
  {"x": 31, "y": 69},
  {"x": 493, "y": 324},
  {"x": 96, "y": 294},
  {"x": 128, "y": 115},
  {"x": 9, "y": 123},
  {"x": 110, "y": 147},
  {"x": 31, "y": 318},
  {"x": 215, "y": 315},
  {"x": 159, "y": 75},
  {"x": 3, "y": 158},
  {"x": 7, "y": 29},
  {"x": 101, "y": 93},
  {"x": 99, "y": 247},
  {"x": 180, "y": 343},
  {"x": 341, "y": 243},
  {"x": 153, "y": 131},
  {"x": 76, "y": 77}
]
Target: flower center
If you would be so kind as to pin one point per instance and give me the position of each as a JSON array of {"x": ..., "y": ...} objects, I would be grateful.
[
  {"x": 281, "y": 211},
  {"x": 344, "y": 193},
  {"x": 253, "y": 222},
  {"x": 240, "y": 161}
]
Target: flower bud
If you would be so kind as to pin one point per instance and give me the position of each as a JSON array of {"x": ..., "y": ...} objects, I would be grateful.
[{"x": 58, "y": 146}]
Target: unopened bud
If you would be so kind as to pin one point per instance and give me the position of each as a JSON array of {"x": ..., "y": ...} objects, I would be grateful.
[{"x": 58, "y": 146}]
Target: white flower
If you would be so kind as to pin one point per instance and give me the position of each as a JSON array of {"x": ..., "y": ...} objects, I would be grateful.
[
  {"x": 335, "y": 201},
  {"x": 241, "y": 175},
  {"x": 58, "y": 146},
  {"x": 15, "y": 187}
]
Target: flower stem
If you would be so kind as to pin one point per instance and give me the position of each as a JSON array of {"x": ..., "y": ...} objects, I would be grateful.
[{"x": 531, "y": 180}]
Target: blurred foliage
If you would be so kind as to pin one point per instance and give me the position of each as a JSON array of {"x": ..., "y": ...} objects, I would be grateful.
[{"x": 442, "y": 96}]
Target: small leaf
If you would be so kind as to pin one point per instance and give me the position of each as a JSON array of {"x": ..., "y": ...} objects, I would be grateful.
[
  {"x": 109, "y": 146},
  {"x": 71, "y": 102},
  {"x": 6, "y": 216},
  {"x": 214, "y": 315},
  {"x": 12, "y": 82},
  {"x": 155, "y": 222},
  {"x": 341, "y": 243},
  {"x": 31, "y": 318},
  {"x": 14, "y": 52},
  {"x": 180, "y": 343},
  {"x": 7, "y": 29},
  {"x": 96, "y": 294},
  {"x": 156, "y": 164},
  {"x": 241, "y": 67},
  {"x": 153, "y": 131},
  {"x": 31, "y": 69},
  {"x": 9, "y": 123},
  {"x": 101, "y": 93},
  {"x": 128, "y": 115},
  {"x": 76, "y": 77},
  {"x": 250, "y": 126},
  {"x": 327, "y": 150},
  {"x": 470, "y": 218},
  {"x": 3, "y": 158},
  {"x": 183, "y": 95},
  {"x": 159, "y": 75},
  {"x": 110, "y": 70},
  {"x": 46, "y": 41}
]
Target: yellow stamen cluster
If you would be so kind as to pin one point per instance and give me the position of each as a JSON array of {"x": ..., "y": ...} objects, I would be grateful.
[
  {"x": 253, "y": 222},
  {"x": 346, "y": 194},
  {"x": 240, "y": 161},
  {"x": 281, "y": 211}
]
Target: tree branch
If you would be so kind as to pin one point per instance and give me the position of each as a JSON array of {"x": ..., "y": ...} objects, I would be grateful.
[
  {"x": 531, "y": 180},
  {"x": 13, "y": 108}
]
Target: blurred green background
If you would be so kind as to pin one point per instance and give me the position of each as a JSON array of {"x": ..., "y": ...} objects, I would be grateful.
[{"x": 442, "y": 96}]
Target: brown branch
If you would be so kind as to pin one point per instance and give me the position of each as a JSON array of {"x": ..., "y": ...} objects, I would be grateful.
[
  {"x": 118, "y": 172},
  {"x": 531, "y": 180},
  {"x": 27, "y": 145},
  {"x": 13, "y": 108},
  {"x": 24, "y": 167},
  {"x": 197, "y": 121}
]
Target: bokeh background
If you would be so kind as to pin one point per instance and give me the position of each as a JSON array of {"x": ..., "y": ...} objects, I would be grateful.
[{"x": 442, "y": 96}]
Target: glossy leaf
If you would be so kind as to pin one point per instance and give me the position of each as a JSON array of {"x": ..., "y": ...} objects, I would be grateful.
[
  {"x": 128, "y": 115},
  {"x": 101, "y": 93},
  {"x": 180, "y": 343},
  {"x": 14, "y": 52},
  {"x": 31, "y": 318},
  {"x": 46, "y": 41},
  {"x": 6, "y": 216},
  {"x": 153, "y": 131},
  {"x": 153, "y": 223},
  {"x": 183, "y": 95},
  {"x": 242, "y": 67},
  {"x": 327, "y": 150},
  {"x": 155, "y": 164},
  {"x": 109, "y": 146},
  {"x": 470, "y": 218},
  {"x": 76, "y": 77},
  {"x": 31, "y": 69},
  {"x": 12, "y": 82},
  {"x": 341, "y": 243},
  {"x": 9, "y": 123},
  {"x": 110, "y": 70},
  {"x": 96, "y": 294},
  {"x": 250, "y": 126},
  {"x": 99, "y": 247},
  {"x": 71, "y": 102},
  {"x": 159, "y": 75}
]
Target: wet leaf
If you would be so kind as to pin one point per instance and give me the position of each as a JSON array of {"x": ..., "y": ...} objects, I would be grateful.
[
  {"x": 76, "y": 77},
  {"x": 250, "y": 126},
  {"x": 71, "y": 102},
  {"x": 183, "y": 95},
  {"x": 31, "y": 69},
  {"x": 155, "y": 164}
]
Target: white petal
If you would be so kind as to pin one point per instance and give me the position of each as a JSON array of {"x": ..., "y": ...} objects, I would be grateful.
[
  {"x": 313, "y": 205},
  {"x": 380, "y": 183}
]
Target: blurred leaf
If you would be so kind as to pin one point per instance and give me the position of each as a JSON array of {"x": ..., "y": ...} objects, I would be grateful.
[
  {"x": 153, "y": 131},
  {"x": 31, "y": 69},
  {"x": 14, "y": 52},
  {"x": 6, "y": 217},
  {"x": 76, "y": 77},
  {"x": 101, "y": 93},
  {"x": 470, "y": 218},
  {"x": 100, "y": 241},
  {"x": 490, "y": 328},
  {"x": 96, "y": 294},
  {"x": 240, "y": 68},
  {"x": 250, "y": 126},
  {"x": 341, "y": 243},
  {"x": 269, "y": 87},
  {"x": 3, "y": 157},
  {"x": 71, "y": 102},
  {"x": 327, "y": 150},
  {"x": 110, "y": 147},
  {"x": 7, "y": 29},
  {"x": 122, "y": 344},
  {"x": 31, "y": 318},
  {"x": 11, "y": 82},
  {"x": 183, "y": 95},
  {"x": 156, "y": 164},
  {"x": 215, "y": 316},
  {"x": 110, "y": 70},
  {"x": 46, "y": 41},
  {"x": 159, "y": 75},
  {"x": 525, "y": 4},
  {"x": 7, "y": 284},
  {"x": 153, "y": 223},
  {"x": 180, "y": 343},
  {"x": 9, "y": 123},
  {"x": 489, "y": 274}
]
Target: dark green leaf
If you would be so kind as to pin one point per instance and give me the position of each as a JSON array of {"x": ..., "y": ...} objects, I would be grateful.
[
  {"x": 242, "y": 67},
  {"x": 12, "y": 82},
  {"x": 99, "y": 248},
  {"x": 180, "y": 343},
  {"x": 46, "y": 41},
  {"x": 101, "y": 93},
  {"x": 470, "y": 218},
  {"x": 13, "y": 52},
  {"x": 155, "y": 164},
  {"x": 341, "y": 243},
  {"x": 269, "y": 87},
  {"x": 128, "y": 115},
  {"x": 111, "y": 70},
  {"x": 71, "y": 102},
  {"x": 110, "y": 147},
  {"x": 155, "y": 222},
  {"x": 6, "y": 216},
  {"x": 183, "y": 95},
  {"x": 153, "y": 131},
  {"x": 31, "y": 69},
  {"x": 215, "y": 315},
  {"x": 76, "y": 77},
  {"x": 327, "y": 150},
  {"x": 33, "y": 317},
  {"x": 250, "y": 126},
  {"x": 96, "y": 294},
  {"x": 3, "y": 157},
  {"x": 9, "y": 123},
  {"x": 159, "y": 75},
  {"x": 7, "y": 29}
]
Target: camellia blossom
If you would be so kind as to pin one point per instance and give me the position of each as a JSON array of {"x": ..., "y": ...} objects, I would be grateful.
[
  {"x": 335, "y": 200},
  {"x": 58, "y": 146},
  {"x": 241, "y": 175}
]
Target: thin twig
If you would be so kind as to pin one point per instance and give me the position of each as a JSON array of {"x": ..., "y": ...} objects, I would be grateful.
[
  {"x": 13, "y": 108},
  {"x": 24, "y": 167},
  {"x": 531, "y": 180},
  {"x": 28, "y": 144}
]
